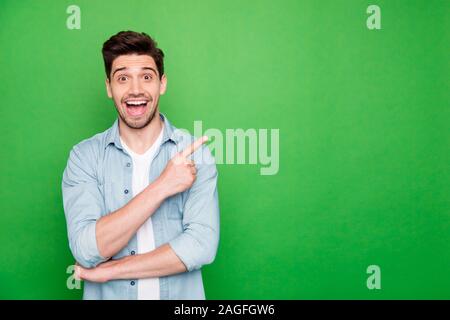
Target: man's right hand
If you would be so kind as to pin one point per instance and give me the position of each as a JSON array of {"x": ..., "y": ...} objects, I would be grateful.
[{"x": 180, "y": 172}]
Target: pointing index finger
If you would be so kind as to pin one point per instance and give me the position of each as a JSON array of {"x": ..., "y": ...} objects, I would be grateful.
[{"x": 194, "y": 146}]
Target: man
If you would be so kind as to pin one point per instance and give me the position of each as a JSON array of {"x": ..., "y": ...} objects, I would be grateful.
[{"x": 140, "y": 199}]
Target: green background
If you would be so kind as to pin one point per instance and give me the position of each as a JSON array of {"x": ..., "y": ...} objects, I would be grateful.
[{"x": 364, "y": 138}]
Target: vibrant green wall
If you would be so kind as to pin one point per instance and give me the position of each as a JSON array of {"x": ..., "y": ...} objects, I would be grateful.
[{"x": 364, "y": 138}]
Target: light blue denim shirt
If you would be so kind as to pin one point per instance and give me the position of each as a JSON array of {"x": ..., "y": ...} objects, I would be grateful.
[{"x": 97, "y": 181}]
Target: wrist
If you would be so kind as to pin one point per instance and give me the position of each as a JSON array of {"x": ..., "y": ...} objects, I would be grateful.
[
  {"x": 109, "y": 273},
  {"x": 120, "y": 269},
  {"x": 159, "y": 190},
  {"x": 113, "y": 272}
]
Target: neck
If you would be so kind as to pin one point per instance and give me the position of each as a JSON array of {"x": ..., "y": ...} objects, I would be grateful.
[{"x": 140, "y": 140}]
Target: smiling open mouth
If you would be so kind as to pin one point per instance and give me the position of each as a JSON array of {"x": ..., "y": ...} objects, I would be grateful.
[{"x": 136, "y": 107}]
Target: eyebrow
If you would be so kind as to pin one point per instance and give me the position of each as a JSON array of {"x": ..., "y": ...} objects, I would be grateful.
[{"x": 143, "y": 68}]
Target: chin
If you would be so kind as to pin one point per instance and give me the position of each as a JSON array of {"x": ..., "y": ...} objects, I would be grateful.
[{"x": 139, "y": 123}]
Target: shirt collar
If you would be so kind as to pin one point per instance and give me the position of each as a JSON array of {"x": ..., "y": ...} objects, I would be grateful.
[{"x": 113, "y": 136}]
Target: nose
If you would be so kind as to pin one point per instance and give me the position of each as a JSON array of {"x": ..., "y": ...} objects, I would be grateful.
[{"x": 136, "y": 88}]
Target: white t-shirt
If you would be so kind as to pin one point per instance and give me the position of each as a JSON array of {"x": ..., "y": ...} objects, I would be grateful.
[{"x": 148, "y": 288}]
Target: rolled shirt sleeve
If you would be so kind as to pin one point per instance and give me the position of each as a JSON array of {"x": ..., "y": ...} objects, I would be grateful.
[
  {"x": 197, "y": 244},
  {"x": 83, "y": 206}
]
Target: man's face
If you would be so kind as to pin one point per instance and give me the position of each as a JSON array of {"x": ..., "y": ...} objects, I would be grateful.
[{"x": 135, "y": 88}]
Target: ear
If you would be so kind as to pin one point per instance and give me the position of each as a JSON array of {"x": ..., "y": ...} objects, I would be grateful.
[
  {"x": 108, "y": 88},
  {"x": 163, "y": 86}
]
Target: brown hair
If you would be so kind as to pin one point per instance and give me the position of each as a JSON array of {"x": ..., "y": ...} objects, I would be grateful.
[{"x": 130, "y": 42}]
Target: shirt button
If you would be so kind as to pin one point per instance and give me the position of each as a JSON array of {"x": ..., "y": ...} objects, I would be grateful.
[
  {"x": 133, "y": 252},
  {"x": 128, "y": 164},
  {"x": 132, "y": 283},
  {"x": 126, "y": 191}
]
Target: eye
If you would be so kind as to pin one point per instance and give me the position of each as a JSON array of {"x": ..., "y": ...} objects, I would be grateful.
[
  {"x": 147, "y": 77},
  {"x": 122, "y": 78}
]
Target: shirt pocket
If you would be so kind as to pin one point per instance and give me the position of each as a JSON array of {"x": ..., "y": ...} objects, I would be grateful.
[{"x": 112, "y": 197}]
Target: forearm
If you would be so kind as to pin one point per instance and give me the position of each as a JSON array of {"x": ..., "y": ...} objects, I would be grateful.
[
  {"x": 158, "y": 263},
  {"x": 115, "y": 230}
]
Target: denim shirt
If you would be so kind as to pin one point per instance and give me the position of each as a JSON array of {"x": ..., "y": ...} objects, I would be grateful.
[{"x": 97, "y": 181}]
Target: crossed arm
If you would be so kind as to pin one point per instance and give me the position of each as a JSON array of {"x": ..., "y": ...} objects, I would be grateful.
[
  {"x": 114, "y": 231},
  {"x": 157, "y": 263}
]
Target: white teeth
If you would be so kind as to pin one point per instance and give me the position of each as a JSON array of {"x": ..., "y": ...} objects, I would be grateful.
[{"x": 135, "y": 103}]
